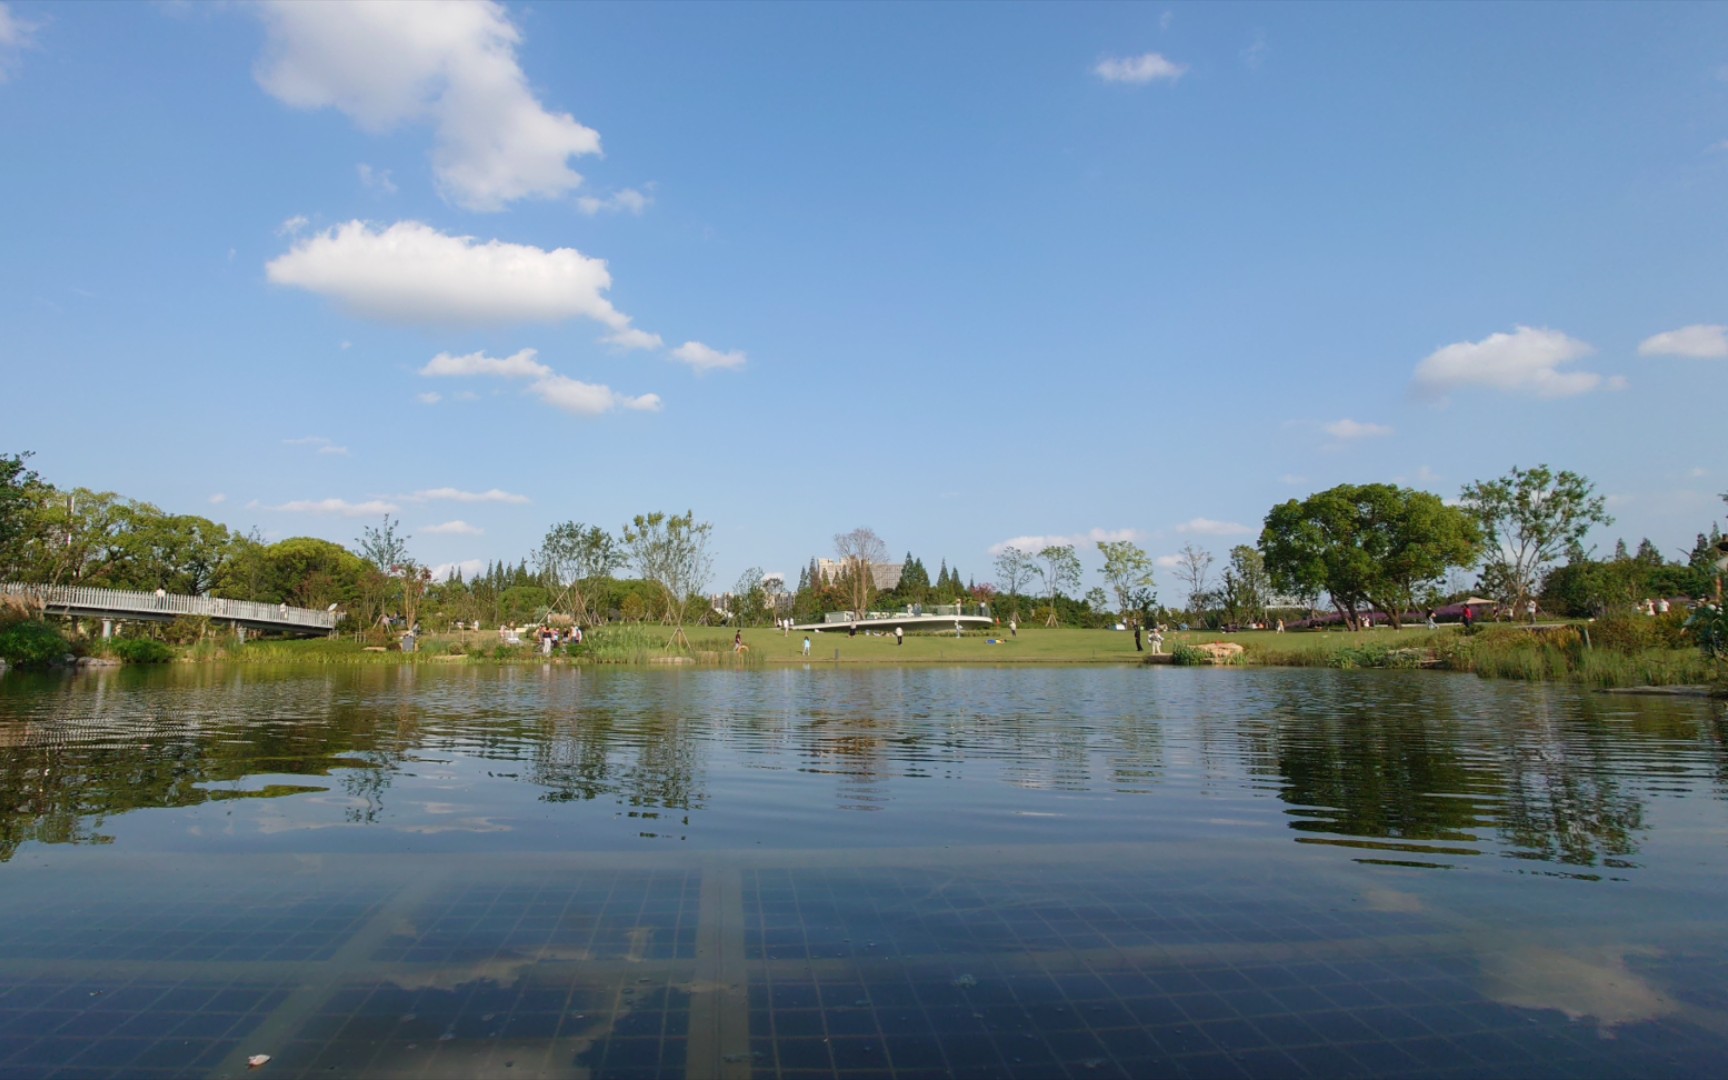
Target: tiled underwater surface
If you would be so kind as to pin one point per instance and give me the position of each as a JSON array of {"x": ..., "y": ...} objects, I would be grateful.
[{"x": 1072, "y": 944}]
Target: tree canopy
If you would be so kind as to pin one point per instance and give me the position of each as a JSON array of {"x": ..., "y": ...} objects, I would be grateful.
[
  {"x": 1367, "y": 545},
  {"x": 1531, "y": 518}
]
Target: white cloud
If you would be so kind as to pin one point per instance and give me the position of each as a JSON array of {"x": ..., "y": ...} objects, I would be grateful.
[
  {"x": 1702, "y": 341},
  {"x": 341, "y": 507},
  {"x": 625, "y": 200},
  {"x": 1083, "y": 540},
  {"x": 558, "y": 391},
  {"x": 1526, "y": 361},
  {"x": 1697, "y": 471},
  {"x": 588, "y": 399},
  {"x": 319, "y": 443},
  {"x": 452, "y": 66},
  {"x": 412, "y": 273},
  {"x": 703, "y": 358},
  {"x": 518, "y": 365},
  {"x": 1168, "y": 562},
  {"x": 632, "y": 338},
  {"x": 452, "y": 528},
  {"x": 1356, "y": 429},
  {"x": 1150, "y": 67},
  {"x": 431, "y": 397},
  {"x": 376, "y": 179},
  {"x": 293, "y": 225},
  {"x": 218, "y": 499},
  {"x": 16, "y": 35},
  {"x": 450, "y": 494},
  {"x": 1207, "y": 527},
  {"x": 1293, "y": 479},
  {"x": 469, "y": 567}
]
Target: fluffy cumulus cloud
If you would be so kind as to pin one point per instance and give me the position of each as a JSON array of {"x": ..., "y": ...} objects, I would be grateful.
[
  {"x": 1697, "y": 342},
  {"x": 16, "y": 35},
  {"x": 559, "y": 391},
  {"x": 412, "y": 273},
  {"x": 1036, "y": 543},
  {"x": 1527, "y": 361},
  {"x": 1146, "y": 68},
  {"x": 588, "y": 399},
  {"x": 1346, "y": 430},
  {"x": 518, "y": 365},
  {"x": 339, "y": 507},
  {"x": 452, "y": 528},
  {"x": 1207, "y": 527},
  {"x": 632, "y": 338},
  {"x": 703, "y": 358},
  {"x": 450, "y": 66}
]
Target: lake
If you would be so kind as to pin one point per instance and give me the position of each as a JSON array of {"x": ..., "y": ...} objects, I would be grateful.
[{"x": 464, "y": 870}]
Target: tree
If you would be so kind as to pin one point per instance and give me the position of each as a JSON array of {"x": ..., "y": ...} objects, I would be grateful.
[
  {"x": 1247, "y": 587},
  {"x": 859, "y": 550},
  {"x": 749, "y": 597},
  {"x": 1194, "y": 569},
  {"x": 576, "y": 559},
  {"x": 1367, "y": 545},
  {"x": 1014, "y": 571},
  {"x": 1126, "y": 569},
  {"x": 672, "y": 552},
  {"x": 1061, "y": 570},
  {"x": 386, "y": 549},
  {"x": 1531, "y": 517},
  {"x": 20, "y": 491}
]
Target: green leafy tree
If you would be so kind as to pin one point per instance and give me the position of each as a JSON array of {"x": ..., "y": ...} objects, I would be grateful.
[
  {"x": 1060, "y": 573},
  {"x": 576, "y": 559},
  {"x": 672, "y": 552},
  {"x": 1014, "y": 571},
  {"x": 1247, "y": 587},
  {"x": 1367, "y": 545},
  {"x": 750, "y": 598},
  {"x": 1127, "y": 569},
  {"x": 1531, "y": 517},
  {"x": 20, "y": 491}
]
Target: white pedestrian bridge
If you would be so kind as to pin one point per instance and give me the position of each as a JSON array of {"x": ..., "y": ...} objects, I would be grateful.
[{"x": 118, "y": 605}]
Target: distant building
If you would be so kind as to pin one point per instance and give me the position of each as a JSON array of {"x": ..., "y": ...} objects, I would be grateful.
[{"x": 883, "y": 575}]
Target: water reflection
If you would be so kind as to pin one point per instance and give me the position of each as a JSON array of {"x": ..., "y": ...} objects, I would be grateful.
[{"x": 1405, "y": 768}]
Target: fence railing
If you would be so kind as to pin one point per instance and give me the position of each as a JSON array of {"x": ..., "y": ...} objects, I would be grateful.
[{"x": 120, "y": 603}]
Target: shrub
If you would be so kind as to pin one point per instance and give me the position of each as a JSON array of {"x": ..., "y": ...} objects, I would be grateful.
[
  {"x": 31, "y": 643},
  {"x": 139, "y": 650},
  {"x": 1629, "y": 634},
  {"x": 1189, "y": 655}
]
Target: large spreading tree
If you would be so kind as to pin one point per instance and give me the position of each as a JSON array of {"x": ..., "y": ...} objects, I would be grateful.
[
  {"x": 1127, "y": 571},
  {"x": 1368, "y": 546}
]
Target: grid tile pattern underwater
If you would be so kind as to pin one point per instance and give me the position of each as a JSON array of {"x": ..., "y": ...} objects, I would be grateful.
[{"x": 1074, "y": 942}]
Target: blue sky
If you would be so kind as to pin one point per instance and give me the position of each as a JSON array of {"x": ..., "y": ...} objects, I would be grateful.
[{"x": 964, "y": 274}]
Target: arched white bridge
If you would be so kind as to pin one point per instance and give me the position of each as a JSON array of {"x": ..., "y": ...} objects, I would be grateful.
[{"x": 118, "y": 605}]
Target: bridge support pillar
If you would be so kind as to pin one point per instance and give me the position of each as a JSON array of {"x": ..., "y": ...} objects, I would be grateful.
[
  {"x": 239, "y": 632},
  {"x": 107, "y": 629}
]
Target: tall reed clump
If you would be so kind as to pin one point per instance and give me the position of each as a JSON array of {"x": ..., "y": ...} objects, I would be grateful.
[
  {"x": 625, "y": 643},
  {"x": 1618, "y": 652}
]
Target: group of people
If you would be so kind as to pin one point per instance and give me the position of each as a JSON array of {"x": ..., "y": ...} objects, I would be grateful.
[
  {"x": 1659, "y": 606},
  {"x": 550, "y": 637}
]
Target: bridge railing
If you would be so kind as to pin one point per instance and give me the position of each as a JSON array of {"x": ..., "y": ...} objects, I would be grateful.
[{"x": 120, "y": 602}]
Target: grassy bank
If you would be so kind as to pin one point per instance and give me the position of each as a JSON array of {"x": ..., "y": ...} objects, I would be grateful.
[{"x": 1559, "y": 653}]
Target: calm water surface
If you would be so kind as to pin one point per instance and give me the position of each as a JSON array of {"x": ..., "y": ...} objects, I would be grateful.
[{"x": 468, "y": 871}]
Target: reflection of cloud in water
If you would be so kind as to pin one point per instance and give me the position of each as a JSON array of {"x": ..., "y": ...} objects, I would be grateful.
[
  {"x": 439, "y": 808},
  {"x": 1594, "y": 983},
  {"x": 471, "y": 824},
  {"x": 1392, "y": 900}
]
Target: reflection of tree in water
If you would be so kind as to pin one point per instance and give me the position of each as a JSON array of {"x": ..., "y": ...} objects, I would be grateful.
[
  {"x": 1554, "y": 776},
  {"x": 86, "y": 755},
  {"x": 649, "y": 762}
]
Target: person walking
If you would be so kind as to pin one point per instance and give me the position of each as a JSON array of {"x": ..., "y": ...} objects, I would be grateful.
[
  {"x": 1013, "y": 627},
  {"x": 1530, "y": 610},
  {"x": 1137, "y": 646}
]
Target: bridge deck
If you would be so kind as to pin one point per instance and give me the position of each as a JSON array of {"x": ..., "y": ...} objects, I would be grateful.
[
  {"x": 909, "y": 622},
  {"x": 119, "y": 604}
]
